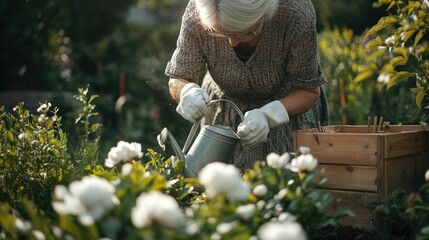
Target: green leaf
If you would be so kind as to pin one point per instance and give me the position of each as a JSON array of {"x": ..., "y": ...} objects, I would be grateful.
[
  {"x": 10, "y": 135},
  {"x": 415, "y": 90},
  {"x": 402, "y": 51},
  {"x": 398, "y": 78},
  {"x": 374, "y": 43},
  {"x": 408, "y": 34},
  {"x": 391, "y": 5},
  {"x": 418, "y": 37},
  {"x": 398, "y": 61},
  {"x": 377, "y": 54},
  {"x": 419, "y": 97},
  {"x": 382, "y": 23},
  {"x": 363, "y": 75}
]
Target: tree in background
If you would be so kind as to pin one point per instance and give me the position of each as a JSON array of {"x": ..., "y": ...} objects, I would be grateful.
[
  {"x": 399, "y": 51},
  {"x": 63, "y": 46},
  {"x": 41, "y": 40},
  {"x": 355, "y": 15},
  {"x": 345, "y": 59}
]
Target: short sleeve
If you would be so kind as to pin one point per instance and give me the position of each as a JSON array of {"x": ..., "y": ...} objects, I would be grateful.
[
  {"x": 303, "y": 66},
  {"x": 188, "y": 60}
]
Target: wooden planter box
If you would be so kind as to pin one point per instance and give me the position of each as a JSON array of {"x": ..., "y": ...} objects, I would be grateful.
[{"x": 362, "y": 167}]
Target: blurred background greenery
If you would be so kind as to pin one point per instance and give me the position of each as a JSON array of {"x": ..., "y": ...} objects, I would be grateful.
[{"x": 120, "y": 48}]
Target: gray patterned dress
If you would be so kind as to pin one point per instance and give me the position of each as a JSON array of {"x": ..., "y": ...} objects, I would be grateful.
[{"x": 286, "y": 56}]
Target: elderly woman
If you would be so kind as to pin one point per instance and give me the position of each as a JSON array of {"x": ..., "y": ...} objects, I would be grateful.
[{"x": 261, "y": 55}]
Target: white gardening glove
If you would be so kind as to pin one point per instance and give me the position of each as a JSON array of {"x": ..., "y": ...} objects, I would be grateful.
[
  {"x": 193, "y": 102},
  {"x": 258, "y": 122}
]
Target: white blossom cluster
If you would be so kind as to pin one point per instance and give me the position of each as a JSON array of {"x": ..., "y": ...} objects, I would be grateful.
[
  {"x": 156, "y": 207},
  {"x": 124, "y": 152},
  {"x": 88, "y": 199},
  {"x": 287, "y": 230},
  {"x": 223, "y": 179},
  {"x": 303, "y": 163},
  {"x": 43, "y": 110}
]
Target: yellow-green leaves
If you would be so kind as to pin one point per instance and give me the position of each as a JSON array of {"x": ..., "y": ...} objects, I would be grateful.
[
  {"x": 398, "y": 48},
  {"x": 382, "y": 23},
  {"x": 399, "y": 77}
]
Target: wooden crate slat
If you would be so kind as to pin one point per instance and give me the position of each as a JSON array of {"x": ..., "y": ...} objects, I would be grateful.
[
  {"x": 327, "y": 148},
  {"x": 349, "y": 177},
  {"x": 402, "y": 172},
  {"x": 401, "y": 144}
]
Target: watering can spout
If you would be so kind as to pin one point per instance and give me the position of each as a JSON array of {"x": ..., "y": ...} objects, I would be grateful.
[
  {"x": 214, "y": 143},
  {"x": 162, "y": 137}
]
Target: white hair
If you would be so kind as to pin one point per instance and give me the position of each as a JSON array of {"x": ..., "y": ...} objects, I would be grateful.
[{"x": 235, "y": 15}]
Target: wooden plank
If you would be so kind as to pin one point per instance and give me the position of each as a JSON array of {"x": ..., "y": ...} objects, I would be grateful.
[
  {"x": 364, "y": 129},
  {"x": 401, "y": 144},
  {"x": 402, "y": 172},
  {"x": 355, "y": 201},
  {"x": 340, "y": 148},
  {"x": 381, "y": 169},
  {"x": 349, "y": 177}
]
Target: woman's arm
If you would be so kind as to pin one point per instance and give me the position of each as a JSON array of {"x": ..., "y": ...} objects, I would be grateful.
[
  {"x": 175, "y": 85},
  {"x": 300, "y": 100}
]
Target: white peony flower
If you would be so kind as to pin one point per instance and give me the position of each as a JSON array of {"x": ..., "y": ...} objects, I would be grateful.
[
  {"x": 427, "y": 176},
  {"x": 21, "y": 136},
  {"x": 44, "y": 108},
  {"x": 286, "y": 217},
  {"x": 22, "y": 225},
  {"x": 126, "y": 169},
  {"x": 156, "y": 207},
  {"x": 274, "y": 160},
  {"x": 304, "y": 150},
  {"x": 281, "y": 231},
  {"x": 39, "y": 235},
  {"x": 88, "y": 199},
  {"x": 304, "y": 163},
  {"x": 245, "y": 212},
  {"x": 42, "y": 118},
  {"x": 224, "y": 228},
  {"x": 260, "y": 190},
  {"x": 223, "y": 179},
  {"x": 425, "y": 4},
  {"x": 122, "y": 153}
]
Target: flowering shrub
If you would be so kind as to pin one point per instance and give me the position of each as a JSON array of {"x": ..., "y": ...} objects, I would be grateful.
[
  {"x": 32, "y": 155},
  {"x": 136, "y": 194},
  {"x": 35, "y": 153}
]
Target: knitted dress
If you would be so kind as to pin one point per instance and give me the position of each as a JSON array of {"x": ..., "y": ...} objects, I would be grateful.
[{"x": 285, "y": 57}]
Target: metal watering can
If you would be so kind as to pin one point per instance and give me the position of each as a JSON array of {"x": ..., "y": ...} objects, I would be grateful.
[{"x": 214, "y": 143}]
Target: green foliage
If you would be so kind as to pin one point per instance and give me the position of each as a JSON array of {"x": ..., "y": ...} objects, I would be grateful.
[
  {"x": 398, "y": 51},
  {"x": 36, "y": 154},
  {"x": 84, "y": 136},
  {"x": 41, "y": 39},
  {"x": 341, "y": 53},
  {"x": 344, "y": 57},
  {"x": 33, "y": 155},
  {"x": 403, "y": 213},
  {"x": 295, "y": 194}
]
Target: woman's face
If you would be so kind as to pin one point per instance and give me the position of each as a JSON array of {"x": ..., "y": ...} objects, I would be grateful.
[{"x": 236, "y": 38}]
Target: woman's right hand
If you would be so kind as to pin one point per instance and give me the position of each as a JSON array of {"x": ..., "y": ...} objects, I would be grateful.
[{"x": 193, "y": 102}]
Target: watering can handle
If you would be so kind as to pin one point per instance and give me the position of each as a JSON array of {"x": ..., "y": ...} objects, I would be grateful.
[{"x": 197, "y": 123}]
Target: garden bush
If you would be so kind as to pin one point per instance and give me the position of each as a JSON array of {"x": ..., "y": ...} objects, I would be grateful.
[{"x": 131, "y": 194}]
